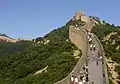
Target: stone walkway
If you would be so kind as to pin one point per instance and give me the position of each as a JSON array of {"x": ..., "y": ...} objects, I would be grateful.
[{"x": 95, "y": 72}]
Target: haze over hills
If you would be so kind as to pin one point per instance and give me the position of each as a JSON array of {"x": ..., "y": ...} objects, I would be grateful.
[
  {"x": 48, "y": 59},
  {"x": 5, "y": 38}
]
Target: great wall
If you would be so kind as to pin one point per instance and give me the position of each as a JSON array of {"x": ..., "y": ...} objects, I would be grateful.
[{"x": 77, "y": 37}]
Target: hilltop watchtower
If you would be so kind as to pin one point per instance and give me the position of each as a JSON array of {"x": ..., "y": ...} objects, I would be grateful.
[{"x": 78, "y": 15}]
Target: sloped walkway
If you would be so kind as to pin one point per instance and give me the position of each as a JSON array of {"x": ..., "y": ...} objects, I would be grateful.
[{"x": 95, "y": 71}]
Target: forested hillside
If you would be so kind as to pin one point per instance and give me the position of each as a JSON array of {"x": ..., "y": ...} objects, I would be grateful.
[
  {"x": 47, "y": 61},
  {"x": 109, "y": 36},
  {"x": 8, "y": 48}
]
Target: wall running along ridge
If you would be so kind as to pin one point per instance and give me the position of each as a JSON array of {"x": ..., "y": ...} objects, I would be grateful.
[{"x": 79, "y": 39}]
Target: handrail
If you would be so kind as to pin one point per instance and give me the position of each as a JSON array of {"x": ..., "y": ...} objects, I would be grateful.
[{"x": 105, "y": 72}]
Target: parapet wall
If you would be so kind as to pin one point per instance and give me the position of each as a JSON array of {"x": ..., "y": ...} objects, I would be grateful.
[
  {"x": 78, "y": 38},
  {"x": 85, "y": 18}
]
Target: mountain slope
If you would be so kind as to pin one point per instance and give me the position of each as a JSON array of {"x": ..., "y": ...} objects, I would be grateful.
[
  {"x": 54, "y": 53},
  {"x": 8, "y": 48},
  {"x": 6, "y": 39}
]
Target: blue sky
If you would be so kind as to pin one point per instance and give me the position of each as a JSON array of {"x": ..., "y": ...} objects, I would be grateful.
[{"x": 33, "y": 18}]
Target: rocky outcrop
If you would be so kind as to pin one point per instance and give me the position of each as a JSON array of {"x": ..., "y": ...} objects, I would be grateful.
[
  {"x": 108, "y": 36},
  {"x": 111, "y": 68},
  {"x": 118, "y": 47}
]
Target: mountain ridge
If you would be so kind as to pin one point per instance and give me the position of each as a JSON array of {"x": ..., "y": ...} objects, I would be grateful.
[
  {"x": 54, "y": 51},
  {"x": 5, "y": 38}
]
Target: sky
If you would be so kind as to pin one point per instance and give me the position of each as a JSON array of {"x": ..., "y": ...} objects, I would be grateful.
[{"x": 34, "y": 18}]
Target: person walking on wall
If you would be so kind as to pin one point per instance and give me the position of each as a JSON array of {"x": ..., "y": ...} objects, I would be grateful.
[
  {"x": 97, "y": 63},
  {"x": 76, "y": 80},
  {"x": 72, "y": 80},
  {"x": 91, "y": 47},
  {"x": 94, "y": 47}
]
